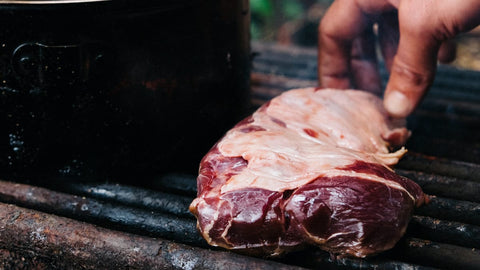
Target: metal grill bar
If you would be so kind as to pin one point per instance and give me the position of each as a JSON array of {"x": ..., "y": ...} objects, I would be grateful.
[
  {"x": 62, "y": 243},
  {"x": 135, "y": 197},
  {"x": 153, "y": 222},
  {"x": 449, "y": 209},
  {"x": 410, "y": 253},
  {"x": 438, "y": 207},
  {"x": 137, "y": 220},
  {"x": 317, "y": 259},
  {"x": 445, "y": 186},
  {"x": 428, "y": 164},
  {"x": 439, "y": 255},
  {"x": 444, "y": 233}
]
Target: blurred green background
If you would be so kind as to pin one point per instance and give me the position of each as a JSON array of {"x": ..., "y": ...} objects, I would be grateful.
[
  {"x": 287, "y": 21},
  {"x": 295, "y": 22}
]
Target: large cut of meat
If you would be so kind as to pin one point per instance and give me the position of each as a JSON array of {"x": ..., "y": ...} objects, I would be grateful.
[{"x": 310, "y": 167}]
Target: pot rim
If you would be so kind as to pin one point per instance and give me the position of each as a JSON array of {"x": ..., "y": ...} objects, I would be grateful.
[{"x": 49, "y": 2}]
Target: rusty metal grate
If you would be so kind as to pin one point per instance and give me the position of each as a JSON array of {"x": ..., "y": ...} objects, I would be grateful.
[{"x": 52, "y": 222}]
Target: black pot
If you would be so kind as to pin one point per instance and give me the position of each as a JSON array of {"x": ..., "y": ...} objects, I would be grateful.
[{"x": 121, "y": 88}]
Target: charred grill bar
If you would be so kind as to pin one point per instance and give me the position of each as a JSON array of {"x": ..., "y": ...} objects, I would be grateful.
[
  {"x": 32, "y": 239},
  {"x": 53, "y": 221},
  {"x": 153, "y": 214}
]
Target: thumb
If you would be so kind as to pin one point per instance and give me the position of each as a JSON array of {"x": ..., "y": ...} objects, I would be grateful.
[
  {"x": 412, "y": 73},
  {"x": 413, "y": 68}
]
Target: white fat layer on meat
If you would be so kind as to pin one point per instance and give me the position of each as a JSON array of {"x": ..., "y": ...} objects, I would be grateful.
[
  {"x": 347, "y": 125},
  {"x": 207, "y": 212},
  {"x": 226, "y": 231}
]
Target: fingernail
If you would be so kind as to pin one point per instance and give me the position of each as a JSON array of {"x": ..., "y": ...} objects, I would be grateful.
[{"x": 397, "y": 104}]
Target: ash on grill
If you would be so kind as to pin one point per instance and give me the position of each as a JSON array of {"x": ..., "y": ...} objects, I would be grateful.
[{"x": 83, "y": 224}]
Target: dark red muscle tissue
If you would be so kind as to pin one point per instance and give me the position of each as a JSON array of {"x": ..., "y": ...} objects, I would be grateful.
[{"x": 309, "y": 167}]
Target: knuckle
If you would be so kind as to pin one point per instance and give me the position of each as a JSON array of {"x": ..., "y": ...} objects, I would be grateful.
[
  {"x": 327, "y": 28},
  {"x": 410, "y": 77},
  {"x": 415, "y": 18}
]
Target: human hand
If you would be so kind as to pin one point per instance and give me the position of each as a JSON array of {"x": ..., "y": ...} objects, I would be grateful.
[{"x": 410, "y": 45}]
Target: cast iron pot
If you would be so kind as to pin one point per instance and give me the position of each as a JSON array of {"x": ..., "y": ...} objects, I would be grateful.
[{"x": 118, "y": 89}]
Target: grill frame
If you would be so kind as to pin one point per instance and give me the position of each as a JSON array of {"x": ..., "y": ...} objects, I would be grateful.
[{"x": 47, "y": 212}]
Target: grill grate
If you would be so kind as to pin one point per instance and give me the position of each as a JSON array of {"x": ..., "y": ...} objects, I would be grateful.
[{"x": 153, "y": 229}]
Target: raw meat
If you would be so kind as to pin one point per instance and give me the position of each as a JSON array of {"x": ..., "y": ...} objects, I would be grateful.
[{"x": 309, "y": 167}]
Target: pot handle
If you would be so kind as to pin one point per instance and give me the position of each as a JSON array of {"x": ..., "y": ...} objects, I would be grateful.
[{"x": 41, "y": 65}]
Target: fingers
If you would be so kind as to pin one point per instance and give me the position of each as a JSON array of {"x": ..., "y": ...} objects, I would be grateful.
[
  {"x": 342, "y": 23},
  {"x": 388, "y": 36},
  {"x": 414, "y": 65},
  {"x": 425, "y": 28},
  {"x": 364, "y": 63}
]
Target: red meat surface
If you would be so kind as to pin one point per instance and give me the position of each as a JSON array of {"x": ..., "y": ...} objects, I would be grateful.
[{"x": 310, "y": 167}]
